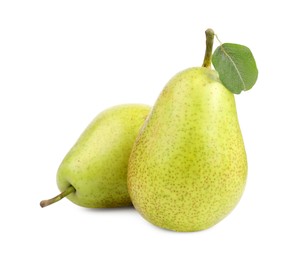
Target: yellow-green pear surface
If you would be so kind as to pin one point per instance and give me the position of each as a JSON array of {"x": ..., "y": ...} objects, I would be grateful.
[
  {"x": 94, "y": 172},
  {"x": 188, "y": 166}
]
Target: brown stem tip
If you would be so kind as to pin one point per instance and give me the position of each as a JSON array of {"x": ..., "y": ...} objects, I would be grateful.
[
  {"x": 209, "y": 45},
  {"x": 65, "y": 193}
]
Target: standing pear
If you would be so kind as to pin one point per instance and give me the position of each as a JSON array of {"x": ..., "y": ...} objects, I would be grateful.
[
  {"x": 94, "y": 172},
  {"x": 188, "y": 166}
]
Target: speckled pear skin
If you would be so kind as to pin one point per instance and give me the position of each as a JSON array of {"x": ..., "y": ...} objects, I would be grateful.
[
  {"x": 97, "y": 164},
  {"x": 188, "y": 166}
]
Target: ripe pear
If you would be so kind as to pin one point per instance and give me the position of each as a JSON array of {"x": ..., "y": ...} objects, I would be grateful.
[
  {"x": 93, "y": 174},
  {"x": 188, "y": 166}
]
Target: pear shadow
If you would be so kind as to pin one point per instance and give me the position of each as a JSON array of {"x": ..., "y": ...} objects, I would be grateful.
[{"x": 129, "y": 208}]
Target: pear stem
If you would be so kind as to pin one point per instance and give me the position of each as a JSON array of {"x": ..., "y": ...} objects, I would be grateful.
[
  {"x": 48, "y": 202},
  {"x": 209, "y": 45}
]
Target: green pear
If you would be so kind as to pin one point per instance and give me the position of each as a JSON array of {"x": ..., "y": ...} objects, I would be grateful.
[
  {"x": 93, "y": 174},
  {"x": 188, "y": 166}
]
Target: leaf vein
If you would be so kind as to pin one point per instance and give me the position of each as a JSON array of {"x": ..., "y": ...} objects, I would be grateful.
[{"x": 238, "y": 72}]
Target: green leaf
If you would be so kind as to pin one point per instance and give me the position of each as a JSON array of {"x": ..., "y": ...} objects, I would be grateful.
[{"x": 236, "y": 67}]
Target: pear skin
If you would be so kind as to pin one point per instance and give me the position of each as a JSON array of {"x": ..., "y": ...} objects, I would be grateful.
[
  {"x": 93, "y": 174},
  {"x": 188, "y": 166}
]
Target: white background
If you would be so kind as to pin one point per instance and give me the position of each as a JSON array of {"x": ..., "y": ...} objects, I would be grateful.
[{"x": 62, "y": 62}]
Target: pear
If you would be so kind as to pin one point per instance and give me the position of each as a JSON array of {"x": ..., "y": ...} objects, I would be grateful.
[
  {"x": 93, "y": 174},
  {"x": 188, "y": 166}
]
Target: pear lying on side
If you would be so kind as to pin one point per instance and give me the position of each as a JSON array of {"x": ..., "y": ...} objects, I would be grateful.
[
  {"x": 188, "y": 166},
  {"x": 94, "y": 172}
]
